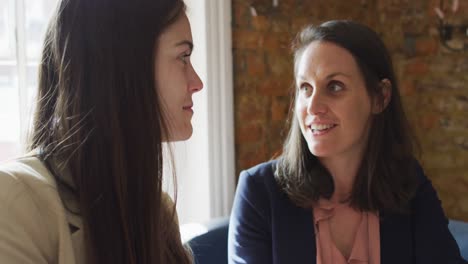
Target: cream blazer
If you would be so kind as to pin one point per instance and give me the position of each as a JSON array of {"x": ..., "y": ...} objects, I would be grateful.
[{"x": 35, "y": 228}]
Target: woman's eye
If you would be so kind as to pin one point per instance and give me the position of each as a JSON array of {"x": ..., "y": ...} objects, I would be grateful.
[
  {"x": 185, "y": 57},
  {"x": 335, "y": 86},
  {"x": 306, "y": 89}
]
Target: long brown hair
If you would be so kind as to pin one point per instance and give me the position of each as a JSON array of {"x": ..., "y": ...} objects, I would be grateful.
[
  {"x": 387, "y": 174},
  {"x": 99, "y": 114}
]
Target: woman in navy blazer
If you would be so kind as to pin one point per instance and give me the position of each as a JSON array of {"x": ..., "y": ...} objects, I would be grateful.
[{"x": 349, "y": 143}]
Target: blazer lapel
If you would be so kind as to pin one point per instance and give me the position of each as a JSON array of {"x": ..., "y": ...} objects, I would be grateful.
[
  {"x": 395, "y": 239},
  {"x": 294, "y": 238}
]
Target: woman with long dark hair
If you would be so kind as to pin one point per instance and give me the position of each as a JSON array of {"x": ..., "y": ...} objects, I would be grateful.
[
  {"x": 115, "y": 83},
  {"x": 347, "y": 187}
]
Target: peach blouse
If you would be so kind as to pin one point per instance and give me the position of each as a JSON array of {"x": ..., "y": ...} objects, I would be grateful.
[{"x": 366, "y": 246}]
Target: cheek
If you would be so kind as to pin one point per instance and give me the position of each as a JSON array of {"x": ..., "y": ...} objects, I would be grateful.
[
  {"x": 360, "y": 116},
  {"x": 300, "y": 106},
  {"x": 299, "y": 112},
  {"x": 161, "y": 76}
]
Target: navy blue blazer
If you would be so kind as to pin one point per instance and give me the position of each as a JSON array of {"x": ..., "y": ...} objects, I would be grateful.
[{"x": 266, "y": 227}]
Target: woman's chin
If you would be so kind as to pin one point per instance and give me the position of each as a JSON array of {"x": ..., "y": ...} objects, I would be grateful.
[
  {"x": 180, "y": 135},
  {"x": 319, "y": 151}
]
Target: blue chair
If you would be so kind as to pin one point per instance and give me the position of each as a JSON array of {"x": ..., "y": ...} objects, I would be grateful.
[
  {"x": 210, "y": 247},
  {"x": 459, "y": 231}
]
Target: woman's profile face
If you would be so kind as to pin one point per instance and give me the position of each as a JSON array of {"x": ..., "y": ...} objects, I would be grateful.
[
  {"x": 332, "y": 104},
  {"x": 176, "y": 80}
]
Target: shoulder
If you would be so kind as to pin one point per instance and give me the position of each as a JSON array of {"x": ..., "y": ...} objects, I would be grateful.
[
  {"x": 26, "y": 182},
  {"x": 264, "y": 168},
  {"x": 424, "y": 187},
  {"x": 31, "y": 212},
  {"x": 29, "y": 169},
  {"x": 28, "y": 177},
  {"x": 257, "y": 187},
  {"x": 426, "y": 207},
  {"x": 424, "y": 193},
  {"x": 430, "y": 225},
  {"x": 262, "y": 174},
  {"x": 259, "y": 182},
  {"x": 26, "y": 174}
]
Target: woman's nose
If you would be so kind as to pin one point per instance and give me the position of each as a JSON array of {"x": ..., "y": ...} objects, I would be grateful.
[
  {"x": 316, "y": 104},
  {"x": 195, "y": 83}
]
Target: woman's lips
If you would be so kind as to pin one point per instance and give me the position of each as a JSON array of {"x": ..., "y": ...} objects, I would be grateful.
[
  {"x": 188, "y": 108},
  {"x": 321, "y": 129}
]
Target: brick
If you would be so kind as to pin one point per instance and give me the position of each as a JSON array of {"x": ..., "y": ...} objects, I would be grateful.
[
  {"x": 241, "y": 14},
  {"x": 408, "y": 88},
  {"x": 352, "y": 9},
  {"x": 239, "y": 61},
  {"x": 438, "y": 65},
  {"x": 454, "y": 122},
  {"x": 462, "y": 142},
  {"x": 437, "y": 160},
  {"x": 279, "y": 24},
  {"x": 463, "y": 204},
  {"x": 451, "y": 104},
  {"x": 448, "y": 200},
  {"x": 261, "y": 23},
  {"x": 247, "y": 39},
  {"x": 426, "y": 46},
  {"x": 252, "y": 156},
  {"x": 442, "y": 144},
  {"x": 280, "y": 65},
  {"x": 276, "y": 135},
  {"x": 457, "y": 185},
  {"x": 275, "y": 87},
  {"x": 249, "y": 133},
  {"x": 251, "y": 109},
  {"x": 416, "y": 68},
  {"x": 461, "y": 103},
  {"x": 244, "y": 86},
  {"x": 255, "y": 65},
  {"x": 430, "y": 13},
  {"x": 298, "y": 24},
  {"x": 462, "y": 66},
  {"x": 280, "y": 108},
  {"x": 432, "y": 86},
  {"x": 278, "y": 42},
  {"x": 430, "y": 120},
  {"x": 287, "y": 6}
]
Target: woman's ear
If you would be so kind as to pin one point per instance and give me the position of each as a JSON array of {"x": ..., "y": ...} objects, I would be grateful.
[{"x": 384, "y": 96}]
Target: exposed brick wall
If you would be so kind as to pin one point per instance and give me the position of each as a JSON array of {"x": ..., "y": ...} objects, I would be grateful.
[{"x": 433, "y": 80}]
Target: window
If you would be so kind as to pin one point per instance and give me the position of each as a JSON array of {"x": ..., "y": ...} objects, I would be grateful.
[{"x": 22, "y": 27}]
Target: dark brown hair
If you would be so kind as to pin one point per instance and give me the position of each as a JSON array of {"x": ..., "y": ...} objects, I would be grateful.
[
  {"x": 99, "y": 115},
  {"x": 387, "y": 174}
]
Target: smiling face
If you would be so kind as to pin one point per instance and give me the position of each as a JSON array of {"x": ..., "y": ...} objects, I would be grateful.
[
  {"x": 332, "y": 104},
  {"x": 176, "y": 80}
]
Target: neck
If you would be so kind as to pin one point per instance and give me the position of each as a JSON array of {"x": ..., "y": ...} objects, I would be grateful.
[{"x": 343, "y": 172}]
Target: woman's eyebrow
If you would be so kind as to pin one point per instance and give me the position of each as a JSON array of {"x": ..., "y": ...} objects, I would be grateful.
[
  {"x": 328, "y": 77},
  {"x": 185, "y": 42}
]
